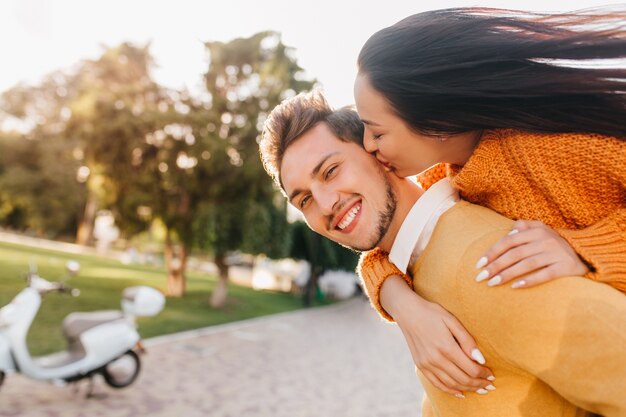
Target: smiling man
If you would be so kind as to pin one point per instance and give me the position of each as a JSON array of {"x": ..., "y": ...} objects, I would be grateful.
[
  {"x": 555, "y": 349},
  {"x": 360, "y": 208}
]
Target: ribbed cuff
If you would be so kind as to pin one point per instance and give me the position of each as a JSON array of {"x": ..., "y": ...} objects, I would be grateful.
[
  {"x": 603, "y": 247},
  {"x": 432, "y": 175},
  {"x": 374, "y": 268}
]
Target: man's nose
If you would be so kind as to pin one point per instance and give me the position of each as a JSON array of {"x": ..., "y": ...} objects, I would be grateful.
[
  {"x": 327, "y": 200},
  {"x": 368, "y": 143}
]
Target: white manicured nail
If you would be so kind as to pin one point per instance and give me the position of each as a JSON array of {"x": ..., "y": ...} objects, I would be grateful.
[
  {"x": 518, "y": 284},
  {"x": 478, "y": 357},
  {"x": 512, "y": 232},
  {"x": 482, "y": 391},
  {"x": 494, "y": 281},
  {"x": 490, "y": 387},
  {"x": 491, "y": 378},
  {"x": 481, "y": 262},
  {"x": 459, "y": 396},
  {"x": 483, "y": 275}
]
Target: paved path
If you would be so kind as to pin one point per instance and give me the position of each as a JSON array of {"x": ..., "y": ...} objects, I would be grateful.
[{"x": 337, "y": 361}]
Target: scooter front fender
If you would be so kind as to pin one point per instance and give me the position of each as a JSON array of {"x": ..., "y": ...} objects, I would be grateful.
[{"x": 6, "y": 360}]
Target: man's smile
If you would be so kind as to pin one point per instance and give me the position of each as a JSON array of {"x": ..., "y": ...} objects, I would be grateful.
[{"x": 345, "y": 220}]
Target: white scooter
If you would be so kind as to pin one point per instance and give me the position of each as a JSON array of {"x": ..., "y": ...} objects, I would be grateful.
[{"x": 101, "y": 342}]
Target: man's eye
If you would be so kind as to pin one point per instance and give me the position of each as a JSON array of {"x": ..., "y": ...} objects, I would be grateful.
[
  {"x": 376, "y": 137},
  {"x": 304, "y": 201},
  {"x": 330, "y": 171}
]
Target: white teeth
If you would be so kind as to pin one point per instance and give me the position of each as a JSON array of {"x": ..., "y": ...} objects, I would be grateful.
[{"x": 349, "y": 217}]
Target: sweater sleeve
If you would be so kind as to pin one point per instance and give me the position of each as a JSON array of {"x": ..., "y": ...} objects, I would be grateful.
[
  {"x": 603, "y": 246},
  {"x": 432, "y": 175},
  {"x": 374, "y": 268}
]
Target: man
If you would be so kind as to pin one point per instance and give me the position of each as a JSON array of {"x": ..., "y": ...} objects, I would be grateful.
[{"x": 555, "y": 349}]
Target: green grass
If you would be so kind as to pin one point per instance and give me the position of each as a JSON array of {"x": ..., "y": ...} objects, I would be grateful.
[{"x": 101, "y": 282}]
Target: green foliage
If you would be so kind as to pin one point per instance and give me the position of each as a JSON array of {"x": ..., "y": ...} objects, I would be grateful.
[
  {"x": 43, "y": 109},
  {"x": 249, "y": 227},
  {"x": 267, "y": 230},
  {"x": 319, "y": 251},
  {"x": 219, "y": 227},
  {"x": 116, "y": 106},
  {"x": 38, "y": 189}
]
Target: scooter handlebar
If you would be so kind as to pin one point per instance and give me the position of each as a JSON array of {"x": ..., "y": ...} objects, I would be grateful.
[
  {"x": 44, "y": 286},
  {"x": 74, "y": 292}
]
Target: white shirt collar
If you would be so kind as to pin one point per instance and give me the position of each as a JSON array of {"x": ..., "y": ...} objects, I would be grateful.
[{"x": 419, "y": 224}]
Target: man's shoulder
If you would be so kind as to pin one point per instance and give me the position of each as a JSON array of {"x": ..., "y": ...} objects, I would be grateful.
[
  {"x": 462, "y": 235},
  {"x": 472, "y": 220}
]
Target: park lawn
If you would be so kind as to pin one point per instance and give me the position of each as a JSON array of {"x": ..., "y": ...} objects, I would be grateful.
[{"x": 101, "y": 281}]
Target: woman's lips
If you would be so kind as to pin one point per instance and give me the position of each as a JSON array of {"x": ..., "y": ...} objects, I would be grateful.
[{"x": 388, "y": 167}]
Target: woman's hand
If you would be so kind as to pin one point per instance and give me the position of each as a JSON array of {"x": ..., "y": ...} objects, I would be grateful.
[
  {"x": 441, "y": 348},
  {"x": 531, "y": 248}
]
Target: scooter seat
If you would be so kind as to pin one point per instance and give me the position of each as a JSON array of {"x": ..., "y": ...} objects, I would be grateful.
[{"x": 76, "y": 323}]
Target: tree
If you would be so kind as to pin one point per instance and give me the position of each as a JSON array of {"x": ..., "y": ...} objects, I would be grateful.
[
  {"x": 112, "y": 110},
  {"x": 100, "y": 109},
  {"x": 143, "y": 144},
  {"x": 247, "y": 77},
  {"x": 191, "y": 163},
  {"x": 38, "y": 166},
  {"x": 138, "y": 144}
]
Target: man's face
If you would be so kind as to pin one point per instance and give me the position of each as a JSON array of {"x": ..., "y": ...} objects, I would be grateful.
[{"x": 341, "y": 189}]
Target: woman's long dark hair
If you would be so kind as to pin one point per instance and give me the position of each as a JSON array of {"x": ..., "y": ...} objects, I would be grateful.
[{"x": 455, "y": 70}]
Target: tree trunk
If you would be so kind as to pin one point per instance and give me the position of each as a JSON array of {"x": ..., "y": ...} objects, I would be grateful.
[
  {"x": 176, "y": 263},
  {"x": 220, "y": 292},
  {"x": 310, "y": 288},
  {"x": 84, "y": 234}
]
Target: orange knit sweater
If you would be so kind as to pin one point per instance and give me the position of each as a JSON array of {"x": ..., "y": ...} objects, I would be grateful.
[{"x": 574, "y": 183}]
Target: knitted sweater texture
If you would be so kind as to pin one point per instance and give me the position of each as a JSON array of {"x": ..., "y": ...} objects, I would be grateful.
[{"x": 574, "y": 183}]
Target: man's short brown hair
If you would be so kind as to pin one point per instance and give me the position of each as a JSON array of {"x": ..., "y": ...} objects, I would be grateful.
[{"x": 296, "y": 116}]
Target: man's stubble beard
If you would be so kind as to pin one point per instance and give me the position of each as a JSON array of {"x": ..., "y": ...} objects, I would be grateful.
[{"x": 384, "y": 218}]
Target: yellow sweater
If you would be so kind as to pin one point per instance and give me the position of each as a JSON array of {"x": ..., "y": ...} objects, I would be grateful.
[
  {"x": 555, "y": 349},
  {"x": 574, "y": 183}
]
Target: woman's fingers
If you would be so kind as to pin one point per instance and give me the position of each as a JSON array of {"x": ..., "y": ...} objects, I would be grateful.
[
  {"x": 454, "y": 379},
  {"x": 511, "y": 240},
  {"x": 533, "y": 255},
  {"x": 521, "y": 266},
  {"x": 463, "y": 374},
  {"x": 436, "y": 382},
  {"x": 539, "y": 277},
  {"x": 469, "y": 360},
  {"x": 432, "y": 335},
  {"x": 472, "y": 359},
  {"x": 515, "y": 262}
]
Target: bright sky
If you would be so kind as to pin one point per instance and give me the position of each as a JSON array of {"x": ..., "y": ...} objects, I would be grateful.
[{"x": 40, "y": 36}]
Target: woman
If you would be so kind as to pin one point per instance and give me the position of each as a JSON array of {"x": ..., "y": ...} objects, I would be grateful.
[{"x": 526, "y": 128}]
